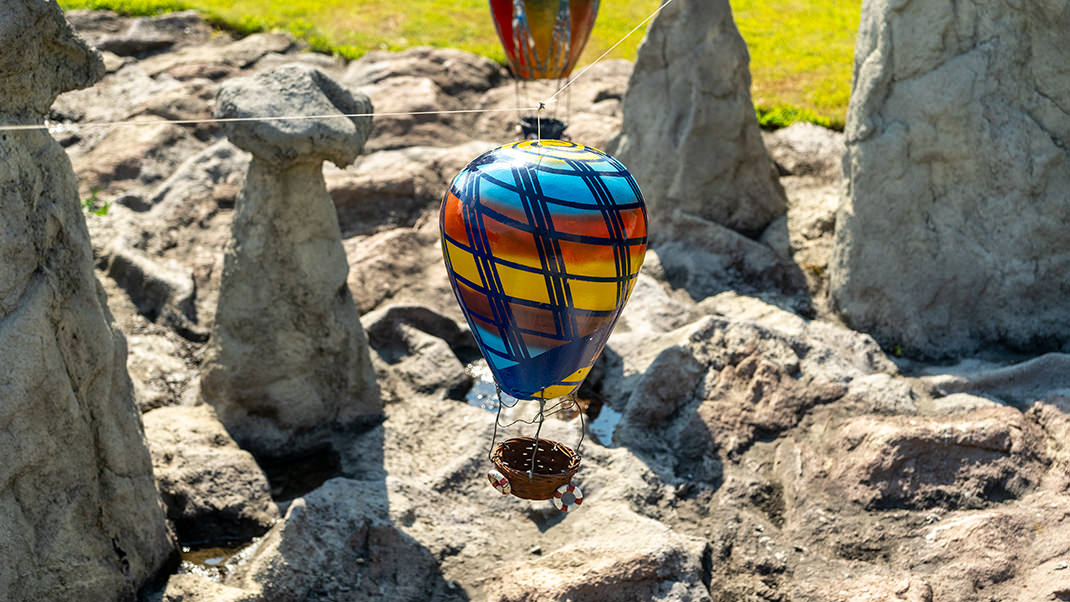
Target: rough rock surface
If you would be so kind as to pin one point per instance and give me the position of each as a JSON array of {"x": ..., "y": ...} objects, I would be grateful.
[
  {"x": 688, "y": 103},
  {"x": 930, "y": 505},
  {"x": 416, "y": 352},
  {"x": 626, "y": 557},
  {"x": 339, "y": 543},
  {"x": 288, "y": 359},
  {"x": 214, "y": 491},
  {"x": 939, "y": 462},
  {"x": 958, "y": 155},
  {"x": 81, "y": 516}
]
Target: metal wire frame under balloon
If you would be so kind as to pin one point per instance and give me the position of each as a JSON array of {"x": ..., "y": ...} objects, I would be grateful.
[{"x": 567, "y": 402}]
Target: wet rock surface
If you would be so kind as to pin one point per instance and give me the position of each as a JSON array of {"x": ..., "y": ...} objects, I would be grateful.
[{"x": 763, "y": 451}]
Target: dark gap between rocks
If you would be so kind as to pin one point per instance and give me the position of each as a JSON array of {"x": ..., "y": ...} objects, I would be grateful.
[{"x": 295, "y": 476}]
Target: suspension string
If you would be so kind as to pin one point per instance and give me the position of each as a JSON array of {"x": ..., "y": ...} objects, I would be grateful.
[
  {"x": 579, "y": 410},
  {"x": 540, "y": 107},
  {"x": 535, "y": 448},
  {"x": 555, "y": 410},
  {"x": 538, "y": 120},
  {"x": 494, "y": 439},
  {"x": 611, "y": 49},
  {"x": 92, "y": 124}
]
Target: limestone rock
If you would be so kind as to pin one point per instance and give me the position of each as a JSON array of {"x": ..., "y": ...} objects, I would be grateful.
[
  {"x": 938, "y": 462},
  {"x": 407, "y": 94},
  {"x": 705, "y": 259},
  {"x": 625, "y": 558},
  {"x": 162, "y": 291},
  {"x": 688, "y": 107},
  {"x": 1043, "y": 378},
  {"x": 958, "y": 156},
  {"x": 725, "y": 381},
  {"x": 871, "y": 588},
  {"x": 214, "y": 491},
  {"x": 108, "y": 32},
  {"x": 592, "y": 105},
  {"x": 331, "y": 64},
  {"x": 805, "y": 149},
  {"x": 665, "y": 386},
  {"x": 159, "y": 375},
  {"x": 454, "y": 71},
  {"x": 339, "y": 543},
  {"x": 190, "y": 587},
  {"x": 294, "y": 90},
  {"x": 81, "y": 516},
  {"x": 288, "y": 360},
  {"x": 212, "y": 174},
  {"x": 393, "y": 189},
  {"x": 147, "y": 35},
  {"x": 411, "y": 344}
]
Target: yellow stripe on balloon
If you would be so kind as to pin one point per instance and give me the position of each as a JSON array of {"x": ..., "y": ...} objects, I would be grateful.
[
  {"x": 520, "y": 284},
  {"x": 555, "y": 391},
  {"x": 577, "y": 376},
  {"x": 595, "y": 296},
  {"x": 463, "y": 263}
]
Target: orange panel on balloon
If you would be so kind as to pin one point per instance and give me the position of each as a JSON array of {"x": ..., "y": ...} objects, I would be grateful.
[{"x": 555, "y": 274}]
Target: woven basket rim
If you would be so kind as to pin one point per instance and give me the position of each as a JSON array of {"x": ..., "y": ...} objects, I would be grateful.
[{"x": 560, "y": 448}]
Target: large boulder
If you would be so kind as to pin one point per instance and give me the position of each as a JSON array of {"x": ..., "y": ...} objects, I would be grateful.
[
  {"x": 966, "y": 461},
  {"x": 288, "y": 360},
  {"x": 952, "y": 233},
  {"x": 339, "y": 543},
  {"x": 688, "y": 107},
  {"x": 214, "y": 491},
  {"x": 81, "y": 517},
  {"x": 622, "y": 557}
]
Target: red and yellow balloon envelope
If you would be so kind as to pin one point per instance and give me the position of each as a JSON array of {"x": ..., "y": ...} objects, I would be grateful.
[
  {"x": 543, "y": 241},
  {"x": 543, "y": 39}
]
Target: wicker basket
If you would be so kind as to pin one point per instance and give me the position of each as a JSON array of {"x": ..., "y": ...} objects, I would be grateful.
[{"x": 555, "y": 464}]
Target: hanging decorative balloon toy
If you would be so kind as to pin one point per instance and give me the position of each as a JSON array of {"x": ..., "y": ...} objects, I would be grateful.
[
  {"x": 543, "y": 241},
  {"x": 543, "y": 39}
]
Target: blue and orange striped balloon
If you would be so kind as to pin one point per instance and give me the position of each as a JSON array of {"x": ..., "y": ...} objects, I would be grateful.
[{"x": 543, "y": 241}]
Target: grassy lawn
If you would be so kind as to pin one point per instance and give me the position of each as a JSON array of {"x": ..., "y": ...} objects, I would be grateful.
[{"x": 801, "y": 50}]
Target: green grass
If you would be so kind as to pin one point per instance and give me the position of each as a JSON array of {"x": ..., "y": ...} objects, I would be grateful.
[
  {"x": 801, "y": 55},
  {"x": 801, "y": 50}
]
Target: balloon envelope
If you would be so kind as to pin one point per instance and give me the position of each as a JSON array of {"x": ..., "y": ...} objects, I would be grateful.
[
  {"x": 542, "y": 241},
  {"x": 543, "y": 39}
]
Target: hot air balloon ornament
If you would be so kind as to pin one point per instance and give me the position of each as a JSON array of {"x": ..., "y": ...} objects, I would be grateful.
[
  {"x": 543, "y": 241},
  {"x": 543, "y": 39}
]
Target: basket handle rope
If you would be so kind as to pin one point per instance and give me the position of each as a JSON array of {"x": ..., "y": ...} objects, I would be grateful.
[{"x": 568, "y": 401}]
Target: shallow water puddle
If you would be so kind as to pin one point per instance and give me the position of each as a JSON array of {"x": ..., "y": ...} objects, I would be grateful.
[{"x": 601, "y": 419}]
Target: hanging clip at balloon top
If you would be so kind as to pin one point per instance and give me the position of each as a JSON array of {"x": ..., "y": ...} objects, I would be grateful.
[{"x": 542, "y": 242}]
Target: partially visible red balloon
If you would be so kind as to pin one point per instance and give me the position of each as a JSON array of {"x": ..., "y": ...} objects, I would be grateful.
[{"x": 543, "y": 39}]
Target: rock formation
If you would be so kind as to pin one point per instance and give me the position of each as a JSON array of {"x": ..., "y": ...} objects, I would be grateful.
[
  {"x": 953, "y": 231},
  {"x": 288, "y": 358},
  {"x": 214, "y": 491},
  {"x": 759, "y": 454},
  {"x": 688, "y": 104},
  {"x": 355, "y": 552},
  {"x": 81, "y": 517}
]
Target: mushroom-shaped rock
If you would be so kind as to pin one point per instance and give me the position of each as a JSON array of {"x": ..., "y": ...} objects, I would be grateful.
[
  {"x": 288, "y": 359},
  {"x": 80, "y": 516},
  {"x": 290, "y": 91}
]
